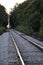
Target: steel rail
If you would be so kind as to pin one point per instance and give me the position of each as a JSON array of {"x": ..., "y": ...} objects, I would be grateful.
[
  {"x": 32, "y": 42},
  {"x": 17, "y": 49}
]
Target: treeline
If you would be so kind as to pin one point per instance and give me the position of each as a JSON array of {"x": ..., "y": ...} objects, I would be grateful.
[
  {"x": 3, "y": 16},
  {"x": 3, "y": 19},
  {"x": 28, "y": 17}
]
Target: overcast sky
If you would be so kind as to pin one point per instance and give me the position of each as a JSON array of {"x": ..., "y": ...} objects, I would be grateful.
[{"x": 8, "y": 4}]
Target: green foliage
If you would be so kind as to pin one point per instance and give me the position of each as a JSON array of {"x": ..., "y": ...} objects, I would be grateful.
[
  {"x": 3, "y": 16},
  {"x": 2, "y": 29},
  {"x": 13, "y": 19},
  {"x": 29, "y": 15},
  {"x": 26, "y": 14},
  {"x": 35, "y": 21},
  {"x": 21, "y": 28}
]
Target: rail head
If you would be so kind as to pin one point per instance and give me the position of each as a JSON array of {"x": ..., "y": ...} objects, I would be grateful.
[
  {"x": 17, "y": 49},
  {"x": 34, "y": 43}
]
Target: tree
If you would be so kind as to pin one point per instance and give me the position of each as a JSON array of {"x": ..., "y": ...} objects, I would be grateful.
[
  {"x": 29, "y": 14},
  {"x": 13, "y": 19},
  {"x": 3, "y": 16}
]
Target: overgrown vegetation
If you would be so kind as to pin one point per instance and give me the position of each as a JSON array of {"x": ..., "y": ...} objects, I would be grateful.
[{"x": 28, "y": 17}]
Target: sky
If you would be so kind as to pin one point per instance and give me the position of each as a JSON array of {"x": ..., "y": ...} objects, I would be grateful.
[{"x": 9, "y": 4}]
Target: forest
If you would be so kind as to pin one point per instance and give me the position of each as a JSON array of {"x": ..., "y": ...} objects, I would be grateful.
[
  {"x": 3, "y": 19},
  {"x": 28, "y": 18}
]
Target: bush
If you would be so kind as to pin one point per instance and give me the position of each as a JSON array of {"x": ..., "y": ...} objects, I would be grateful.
[{"x": 2, "y": 29}]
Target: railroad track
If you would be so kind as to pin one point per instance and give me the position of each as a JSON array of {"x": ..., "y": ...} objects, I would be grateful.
[
  {"x": 27, "y": 53},
  {"x": 32, "y": 42},
  {"x": 21, "y": 61}
]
